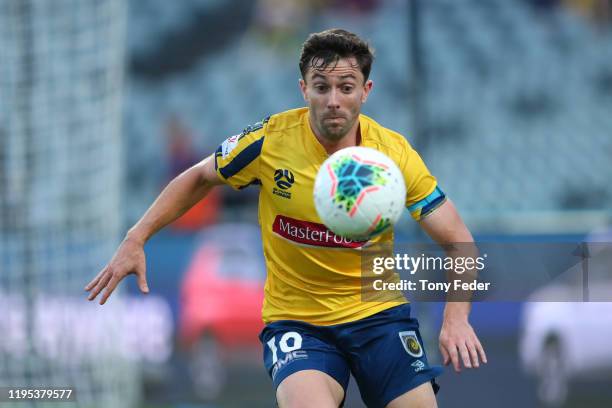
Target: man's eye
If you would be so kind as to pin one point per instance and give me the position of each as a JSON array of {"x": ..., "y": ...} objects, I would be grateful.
[
  {"x": 321, "y": 88},
  {"x": 347, "y": 89}
]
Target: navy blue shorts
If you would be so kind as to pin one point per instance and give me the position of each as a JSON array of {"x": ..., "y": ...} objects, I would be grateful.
[{"x": 384, "y": 352}]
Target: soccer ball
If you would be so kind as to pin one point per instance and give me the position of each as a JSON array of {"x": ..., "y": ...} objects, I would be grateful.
[{"x": 359, "y": 193}]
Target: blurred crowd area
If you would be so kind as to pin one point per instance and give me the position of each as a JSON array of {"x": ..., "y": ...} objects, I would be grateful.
[{"x": 508, "y": 101}]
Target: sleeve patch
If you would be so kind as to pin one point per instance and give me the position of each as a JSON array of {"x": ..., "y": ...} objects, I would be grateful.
[
  {"x": 228, "y": 145},
  {"x": 242, "y": 159}
]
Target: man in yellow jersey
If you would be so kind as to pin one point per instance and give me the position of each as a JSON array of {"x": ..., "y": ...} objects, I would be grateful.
[{"x": 318, "y": 330}]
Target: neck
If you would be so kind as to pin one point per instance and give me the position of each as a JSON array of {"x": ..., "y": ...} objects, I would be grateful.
[{"x": 352, "y": 138}]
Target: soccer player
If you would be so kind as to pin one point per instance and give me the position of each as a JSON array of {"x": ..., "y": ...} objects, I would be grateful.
[{"x": 318, "y": 330}]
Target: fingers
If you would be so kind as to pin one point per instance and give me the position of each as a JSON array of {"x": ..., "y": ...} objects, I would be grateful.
[
  {"x": 473, "y": 354},
  {"x": 102, "y": 282},
  {"x": 452, "y": 353},
  {"x": 445, "y": 355},
  {"x": 454, "y": 356},
  {"x": 142, "y": 281},
  {"x": 110, "y": 287},
  {"x": 481, "y": 351},
  {"x": 465, "y": 355},
  {"x": 459, "y": 342},
  {"x": 109, "y": 281},
  {"x": 469, "y": 354},
  {"x": 95, "y": 280}
]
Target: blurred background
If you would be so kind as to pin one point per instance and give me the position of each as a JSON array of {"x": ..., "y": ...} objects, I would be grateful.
[{"x": 102, "y": 102}]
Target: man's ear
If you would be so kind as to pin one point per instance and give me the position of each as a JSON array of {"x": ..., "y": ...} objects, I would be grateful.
[
  {"x": 367, "y": 87},
  {"x": 302, "y": 85}
]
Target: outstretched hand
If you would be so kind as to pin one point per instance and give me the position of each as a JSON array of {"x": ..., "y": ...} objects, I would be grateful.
[
  {"x": 129, "y": 259},
  {"x": 459, "y": 344}
]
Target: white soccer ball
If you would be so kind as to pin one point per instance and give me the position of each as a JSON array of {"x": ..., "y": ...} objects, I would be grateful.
[{"x": 359, "y": 193}]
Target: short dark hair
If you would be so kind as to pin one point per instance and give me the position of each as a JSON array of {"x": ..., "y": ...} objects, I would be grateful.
[{"x": 329, "y": 46}]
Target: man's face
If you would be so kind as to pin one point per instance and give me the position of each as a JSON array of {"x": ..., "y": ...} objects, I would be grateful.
[{"x": 334, "y": 96}]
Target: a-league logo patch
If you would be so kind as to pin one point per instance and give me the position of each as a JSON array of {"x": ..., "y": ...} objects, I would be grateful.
[
  {"x": 411, "y": 343},
  {"x": 284, "y": 180},
  {"x": 228, "y": 145}
]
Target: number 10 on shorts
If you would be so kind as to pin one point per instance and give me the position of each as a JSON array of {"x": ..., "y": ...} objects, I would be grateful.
[{"x": 288, "y": 342}]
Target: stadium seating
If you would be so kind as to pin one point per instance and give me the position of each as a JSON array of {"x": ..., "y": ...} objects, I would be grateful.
[{"x": 517, "y": 101}]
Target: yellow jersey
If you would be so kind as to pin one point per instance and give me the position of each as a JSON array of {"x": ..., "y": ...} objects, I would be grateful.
[{"x": 313, "y": 275}]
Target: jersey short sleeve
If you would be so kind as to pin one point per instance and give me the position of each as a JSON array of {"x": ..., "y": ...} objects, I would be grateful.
[
  {"x": 237, "y": 158},
  {"x": 423, "y": 195}
]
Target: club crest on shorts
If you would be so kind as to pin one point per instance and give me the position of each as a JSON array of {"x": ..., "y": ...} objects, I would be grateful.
[{"x": 411, "y": 343}]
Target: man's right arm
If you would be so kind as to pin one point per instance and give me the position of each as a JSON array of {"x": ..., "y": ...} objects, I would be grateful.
[{"x": 180, "y": 195}]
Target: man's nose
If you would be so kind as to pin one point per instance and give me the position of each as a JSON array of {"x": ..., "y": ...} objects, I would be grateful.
[{"x": 333, "y": 101}]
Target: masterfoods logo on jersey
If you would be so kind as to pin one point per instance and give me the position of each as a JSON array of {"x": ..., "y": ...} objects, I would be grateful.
[{"x": 311, "y": 233}]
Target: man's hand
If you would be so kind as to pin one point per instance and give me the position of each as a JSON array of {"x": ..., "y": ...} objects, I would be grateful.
[
  {"x": 182, "y": 193},
  {"x": 459, "y": 343},
  {"x": 129, "y": 259}
]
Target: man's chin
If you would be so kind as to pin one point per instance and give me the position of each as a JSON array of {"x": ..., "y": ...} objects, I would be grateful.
[{"x": 335, "y": 133}]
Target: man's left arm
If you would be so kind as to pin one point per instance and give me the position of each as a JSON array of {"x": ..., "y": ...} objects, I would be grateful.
[{"x": 458, "y": 341}]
